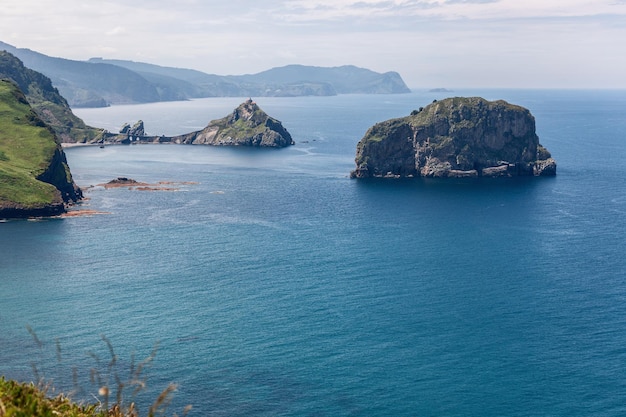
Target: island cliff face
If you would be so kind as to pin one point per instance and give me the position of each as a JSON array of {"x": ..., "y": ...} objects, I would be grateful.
[
  {"x": 455, "y": 137},
  {"x": 35, "y": 179}
]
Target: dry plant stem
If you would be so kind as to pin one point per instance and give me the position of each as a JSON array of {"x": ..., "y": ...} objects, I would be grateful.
[
  {"x": 162, "y": 401},
  {"x": 104, "y": 376}
]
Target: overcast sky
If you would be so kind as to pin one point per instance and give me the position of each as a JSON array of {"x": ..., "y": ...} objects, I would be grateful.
[{"x": 431, "y": 43}]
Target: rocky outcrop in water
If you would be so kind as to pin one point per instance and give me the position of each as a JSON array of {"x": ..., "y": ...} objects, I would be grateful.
[
  {"x": 135, "y": 130},
  {"x": 247, "y": 125},
  {"x": 455, "y": 137}
]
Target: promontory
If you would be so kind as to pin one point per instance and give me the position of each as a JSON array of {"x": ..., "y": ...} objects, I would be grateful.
[
  {"x": 35, "y": 179},
  {"x": 247, "y": 125},
  {"x": 455, "y": 137}
]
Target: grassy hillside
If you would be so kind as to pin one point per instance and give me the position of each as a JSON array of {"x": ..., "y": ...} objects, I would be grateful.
[
  {"x": 34, "y": 176},
  {"x": 45, "y": 99},
  {"x": 85, "y": 84},
  {"x": 26, "y": 148}
]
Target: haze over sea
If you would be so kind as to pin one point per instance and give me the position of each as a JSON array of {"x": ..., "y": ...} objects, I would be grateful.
[{"x": 278, "y": 286}]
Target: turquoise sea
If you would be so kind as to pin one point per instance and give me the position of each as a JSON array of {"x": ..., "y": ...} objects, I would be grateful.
[{"x": 277, "y": 286}]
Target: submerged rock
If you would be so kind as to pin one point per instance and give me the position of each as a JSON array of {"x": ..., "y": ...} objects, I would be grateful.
[
  {"x": 122, "y": 182},
  {"x": 455, "y": 137}
]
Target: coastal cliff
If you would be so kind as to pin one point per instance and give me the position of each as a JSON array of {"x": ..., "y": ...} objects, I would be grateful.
[
  {"x": 455, "y": 137},
  {"x": 35, "y": 179}
]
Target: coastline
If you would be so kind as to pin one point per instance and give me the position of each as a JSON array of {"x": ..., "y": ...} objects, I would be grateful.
[{"x": 77, "y": 144}]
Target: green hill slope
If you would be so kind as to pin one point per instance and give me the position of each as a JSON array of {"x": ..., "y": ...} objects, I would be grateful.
[
  {"x": 85, "y": 84},
  {"x": 45, "y": 99},
  {"x": 35, "y": 179}
]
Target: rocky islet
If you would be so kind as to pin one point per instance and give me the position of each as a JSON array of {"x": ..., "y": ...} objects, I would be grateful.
[{"x": 455, "y": 137}]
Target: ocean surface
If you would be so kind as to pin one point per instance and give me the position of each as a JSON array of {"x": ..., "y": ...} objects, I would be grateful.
[{"x": 274, "y": 285}]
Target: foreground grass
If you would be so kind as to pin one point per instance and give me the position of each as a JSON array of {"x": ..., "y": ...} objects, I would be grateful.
[{"x": 22, "y": 400}]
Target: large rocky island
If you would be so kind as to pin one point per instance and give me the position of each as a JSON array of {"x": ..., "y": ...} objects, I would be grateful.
[
  {"x": 35, "y": 179},
  {"x": 455, "y": 137}
]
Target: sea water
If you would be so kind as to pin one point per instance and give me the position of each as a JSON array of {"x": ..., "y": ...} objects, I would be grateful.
[{"x": 275, "y": 285}]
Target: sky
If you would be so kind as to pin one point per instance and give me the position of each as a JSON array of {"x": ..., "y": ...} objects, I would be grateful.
[{"x": 431, "y": 43}]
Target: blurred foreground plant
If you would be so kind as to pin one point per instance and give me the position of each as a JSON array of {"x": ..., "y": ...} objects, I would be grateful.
[{"x": 23, "y": 399}]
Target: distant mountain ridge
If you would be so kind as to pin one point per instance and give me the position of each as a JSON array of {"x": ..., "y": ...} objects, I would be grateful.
[{"x": 99, "y": 82}]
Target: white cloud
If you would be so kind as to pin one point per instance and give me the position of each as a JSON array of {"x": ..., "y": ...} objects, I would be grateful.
[
  {"x": 448, "y": 9},
  {"x": 118, "y": 30}
]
